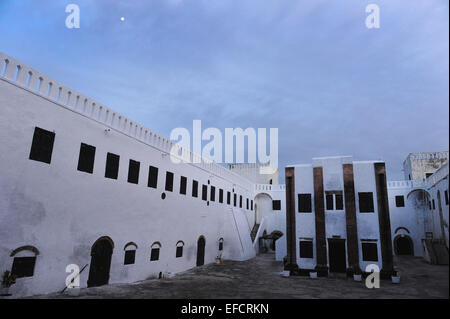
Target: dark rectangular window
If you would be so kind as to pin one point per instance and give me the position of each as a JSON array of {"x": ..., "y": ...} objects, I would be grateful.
[
  {"x": 276, "y": 205},
  {"x": 446, "y": 197},
  {"x": 152, "y": 177},
  {"x": 234, "y": 200},
  {"x": 240, "y": 201},
  {"x": 112, "y": 166},
  {"x": 86, "y": 158},
  {"x": 169, "y": 181},
  {"x": 130, "y": 256},
  {"x": 329, "y": 201},
  {"x": 194, "y": 188},
  {"x": 428, "y": 175},
  {"x": 370, "y": 252},
  {"x": 366, "y": 202},
  {"x": 155, "y": 254},
  {"x": 179, "y": 252},
  {"x": 434, "y": 204},
  {"x": 247, "y": 204},
  {"x": 220, "y": 246},
  {"x": 228, "y": 198},
  {"x": 133, "y": 172},
  {"x": 304, "y": 203},
  {"x": 212, "y": 195},
  {"x": 220, "y": 195},
  {"x": 23, "y": 266},
  {"x": 42, "y": 145},
  {"x": 183, "y": 185},
  {"x": 204, "y": 192},
  {"x": 400, "y": 201},
  {"x": 306, "y": 249},
  {"x": 339, "y": 202},
  {"x": 251, "y": 204}
]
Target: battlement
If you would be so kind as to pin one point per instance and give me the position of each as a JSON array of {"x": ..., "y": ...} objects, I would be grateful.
[
  {"x": 269, "y": 187},
  {"x": 418, "y": 183},
  {"x": 427, "y": 156},
  {"x": 35, "y": 82},
  {"x": 429, "y": 182}
]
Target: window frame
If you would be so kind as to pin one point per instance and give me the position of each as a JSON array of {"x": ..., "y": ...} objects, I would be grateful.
[
  {"x": 366, "y": 255},
  {"x": 276, "y": 204},
  {"x": 153, "y": 172},
  {"x": 194, "y": 188},
  {"x": 399, "y": 201},
  {"x": 220, "y": 195},
  {"x": 169, "y": 181},
  {"x": 155, "y": 251},
  {"x": 204, "y": 192},
  {"x": 112, "y": 165},
  {"x": 308, "y": 251},
  {"x": 212, "y": 194},
  {"x": 179, "y": 249},
  {"x": 183, "y": 185},
  {"x": 305, "y": 209},
  {"x": 129, "y": 257},
  {"x": 86, "y": 158},
  {"x": 133, "y": 171},
  {"x": 367, "y": 209},
  {"x": 42, "y": 145}
]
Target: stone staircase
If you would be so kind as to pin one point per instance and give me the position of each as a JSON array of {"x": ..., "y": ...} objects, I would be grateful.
[
  {"x": 437, "y": 252},
  {"x": 254, "y": 232}
]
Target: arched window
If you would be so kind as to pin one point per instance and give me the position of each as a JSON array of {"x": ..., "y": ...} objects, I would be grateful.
[
  {"x": 154, "y": 255},
  {"x": 180, "y": 245},
  {"x": 130, "y": 253},
  {"x": 220, "y": 244},
  {"x": 24, "y": 261}
]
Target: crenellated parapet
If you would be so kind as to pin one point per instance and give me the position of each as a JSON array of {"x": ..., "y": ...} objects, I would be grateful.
[
  {"x": 418, "y": 183},
  {"x": 428, "y": 155},
  {"x": 269, "y": 187},
  {"x": 19, "y": 74}
]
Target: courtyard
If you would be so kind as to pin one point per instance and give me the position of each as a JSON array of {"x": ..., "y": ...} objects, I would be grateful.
[{"x": 260, "y": 278}]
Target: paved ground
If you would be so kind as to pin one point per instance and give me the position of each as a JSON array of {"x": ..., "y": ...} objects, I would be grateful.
[{"x": 259, "y": 278}]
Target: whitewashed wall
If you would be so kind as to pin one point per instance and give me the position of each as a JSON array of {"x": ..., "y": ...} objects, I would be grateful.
[
  {"x": 418, "y": 165},
  {"x": 335, "y": 221},
  {"x": 305, "y": 222},
  {"x": 438, "y": 185},
  {"x": 412, "y": 216},
  {"x": 368, "y": 223},
  {"x": 62, "y": 211},
  {"x": 273, "y": 220}
]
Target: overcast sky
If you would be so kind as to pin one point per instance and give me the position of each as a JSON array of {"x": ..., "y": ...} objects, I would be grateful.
[{"x": 310, "y": 68}]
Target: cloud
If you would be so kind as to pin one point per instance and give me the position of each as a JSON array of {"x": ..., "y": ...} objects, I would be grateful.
[{"x": 310, "y": 68}]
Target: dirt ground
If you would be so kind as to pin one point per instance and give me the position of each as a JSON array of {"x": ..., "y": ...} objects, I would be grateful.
[{"x": 260, "y": 278}]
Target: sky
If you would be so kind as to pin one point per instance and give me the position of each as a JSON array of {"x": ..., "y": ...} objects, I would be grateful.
[{"x": 310, "y": 68}]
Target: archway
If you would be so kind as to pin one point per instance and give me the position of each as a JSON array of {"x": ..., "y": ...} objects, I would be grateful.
[
  {"x": 263, "y": 207},
  {"x": 201, "y": 251},
  {"x": 101, "y": 253},
  {"x": 403, "y": 245}
]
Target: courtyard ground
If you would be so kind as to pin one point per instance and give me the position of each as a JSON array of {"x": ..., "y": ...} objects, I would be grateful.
[{"x": 259, "y": 278}]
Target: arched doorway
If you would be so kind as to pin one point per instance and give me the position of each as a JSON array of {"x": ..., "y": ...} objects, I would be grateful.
[
  {"x": 201, "y": 251},
  {"x": 263, "y": 208},
  {"x": 403, "y": 245},
  {"x": 101, "y": 253}
]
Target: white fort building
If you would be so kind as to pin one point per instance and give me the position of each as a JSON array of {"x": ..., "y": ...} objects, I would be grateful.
[{"x": 83, "y": 185}]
